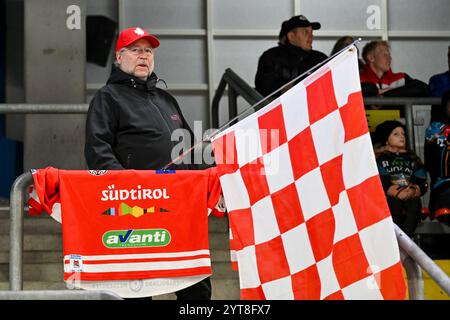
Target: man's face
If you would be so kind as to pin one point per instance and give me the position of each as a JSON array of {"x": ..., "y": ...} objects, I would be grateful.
[
  {"x": 381, "y": 58},
  {"x": 301, "y": 37},
  {"x": 137, "y": 59}
]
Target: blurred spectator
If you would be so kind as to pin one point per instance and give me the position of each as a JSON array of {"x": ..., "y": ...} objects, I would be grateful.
[
  {"x": 440, "y": 83},
  {"x": 402, "y": 174},
  {"x": 437, "y": 161},
  {"x": 377, "y": 78},
  {"x": 292, "y": 57},
  {"x": 341, "y": 43}
]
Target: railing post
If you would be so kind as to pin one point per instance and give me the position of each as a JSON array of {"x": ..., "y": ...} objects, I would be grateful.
[
  {"x": 242, "y": 88},
  {"x": 409, "y": 125},
  {"x": 17, "y": 201}
]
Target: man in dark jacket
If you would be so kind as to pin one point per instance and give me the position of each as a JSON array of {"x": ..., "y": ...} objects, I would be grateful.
[
  {"x": 130, "y": 121},
  {"x": 292, "y": 57},
  {"x": 377, "y": 78}
]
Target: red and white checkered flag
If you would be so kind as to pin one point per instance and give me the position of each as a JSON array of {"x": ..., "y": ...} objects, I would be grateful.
[{"x": 307, "y": 211}]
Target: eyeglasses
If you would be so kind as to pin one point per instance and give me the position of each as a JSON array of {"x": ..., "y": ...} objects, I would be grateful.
[{"x": 137, "y": 51}]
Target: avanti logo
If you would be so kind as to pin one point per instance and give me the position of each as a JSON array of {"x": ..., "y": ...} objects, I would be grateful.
[{"x": 136, "y": 238}]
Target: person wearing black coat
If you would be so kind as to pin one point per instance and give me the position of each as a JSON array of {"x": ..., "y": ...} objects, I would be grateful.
[
  {"x": 292, "y": 57},
  {"x": 130, "y": 122}
]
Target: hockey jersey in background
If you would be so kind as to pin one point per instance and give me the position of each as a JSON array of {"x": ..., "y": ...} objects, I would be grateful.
[{"x": 131, "y": 225}]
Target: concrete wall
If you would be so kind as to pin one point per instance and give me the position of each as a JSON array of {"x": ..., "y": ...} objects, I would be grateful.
[{"x": 54, "y": 73}]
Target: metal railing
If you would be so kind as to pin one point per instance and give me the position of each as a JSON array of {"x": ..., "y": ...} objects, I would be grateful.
[
  {"x": 414, "y": 258},
  {"x": 16, "y": 248},
  {"x": 17, "y": 202},
  {"x": 36, "y": 108},
  {"x": 239, "y": 87}
]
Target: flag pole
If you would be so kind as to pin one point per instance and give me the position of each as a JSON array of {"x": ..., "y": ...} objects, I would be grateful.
[{"x": 222, "y": 127}]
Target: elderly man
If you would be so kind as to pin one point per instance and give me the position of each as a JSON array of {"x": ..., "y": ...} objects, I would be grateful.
[
  {"x": 377, "y": 78},
  {"x": 292, "y": 57},
  {"x": 130, "y": 122}
]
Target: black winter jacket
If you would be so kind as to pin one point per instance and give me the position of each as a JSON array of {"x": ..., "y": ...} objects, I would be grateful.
[
  {"x": 129, "y": 125},
  {"x": 279, "y": 65}
]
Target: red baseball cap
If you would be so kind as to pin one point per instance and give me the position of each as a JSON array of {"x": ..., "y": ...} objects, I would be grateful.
[{"x": 130, "y": 35}]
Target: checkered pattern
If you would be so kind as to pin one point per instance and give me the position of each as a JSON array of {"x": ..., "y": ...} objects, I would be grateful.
[{"x": 308, "y": 215}]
